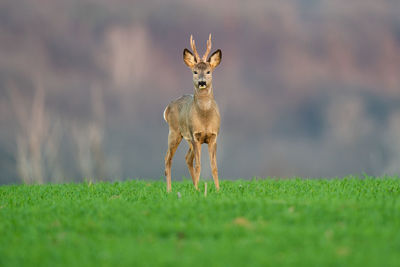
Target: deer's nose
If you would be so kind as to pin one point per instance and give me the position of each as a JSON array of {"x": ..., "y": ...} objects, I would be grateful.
[{"x": 202, "y": 83}]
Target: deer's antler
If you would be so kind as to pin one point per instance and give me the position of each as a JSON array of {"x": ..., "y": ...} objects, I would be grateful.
[
  {"x": 208, "y": 48},
  {"x": 193, "y": 45}
]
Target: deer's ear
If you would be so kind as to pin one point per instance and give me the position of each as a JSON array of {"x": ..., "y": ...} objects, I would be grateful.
[
  {"x": 188, "y": 58},
  {"x": 215, "y": 58}
]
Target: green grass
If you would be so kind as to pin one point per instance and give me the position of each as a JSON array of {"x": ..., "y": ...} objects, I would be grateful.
[{"x": 339, "y": 222}]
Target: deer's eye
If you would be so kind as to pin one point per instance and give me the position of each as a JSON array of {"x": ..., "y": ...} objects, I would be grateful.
[
  {"x": 195, "y": 72},
  {"x": 208, "y": 72}
]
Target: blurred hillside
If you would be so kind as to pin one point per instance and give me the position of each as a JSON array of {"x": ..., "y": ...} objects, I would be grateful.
[{"x": 305, "y": 87}]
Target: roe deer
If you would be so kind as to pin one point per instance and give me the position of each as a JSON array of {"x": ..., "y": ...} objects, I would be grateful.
[{"x": 195, "y": 117}]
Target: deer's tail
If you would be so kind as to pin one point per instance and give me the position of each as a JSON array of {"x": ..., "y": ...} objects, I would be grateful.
[{"x": 166, "y": 111}]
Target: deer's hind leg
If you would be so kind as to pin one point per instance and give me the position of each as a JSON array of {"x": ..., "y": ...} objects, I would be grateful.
[
  {"x": 174, "y": 139},
  {"x": 212, "y": 150}
]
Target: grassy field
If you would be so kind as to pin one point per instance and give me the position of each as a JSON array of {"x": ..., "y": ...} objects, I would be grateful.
[{"x": 271, "y": 222}]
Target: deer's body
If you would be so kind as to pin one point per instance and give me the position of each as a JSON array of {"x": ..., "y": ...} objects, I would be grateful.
[
  {"x": 192, "y": 116},
  {"x": 195, "y": 117}
]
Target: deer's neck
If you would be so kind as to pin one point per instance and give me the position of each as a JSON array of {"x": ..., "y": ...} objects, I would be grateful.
[{"x": 203, "y": 102}]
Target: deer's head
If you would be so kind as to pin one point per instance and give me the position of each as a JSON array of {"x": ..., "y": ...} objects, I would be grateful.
[{"x": 202, "y": 68}]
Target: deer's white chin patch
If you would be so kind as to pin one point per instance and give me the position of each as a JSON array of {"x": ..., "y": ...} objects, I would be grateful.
[{"x": 202, "y": 87}]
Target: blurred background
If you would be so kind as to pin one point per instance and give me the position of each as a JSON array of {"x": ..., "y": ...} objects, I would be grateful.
[{"x": 306, "y": 88}]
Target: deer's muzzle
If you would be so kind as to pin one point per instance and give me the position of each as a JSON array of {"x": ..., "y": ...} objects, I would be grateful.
[{"x": 202, "y": 84}]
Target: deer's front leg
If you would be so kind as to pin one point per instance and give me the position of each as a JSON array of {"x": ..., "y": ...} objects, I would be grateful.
[
  {"x": 212, "y": 151},
  {"x": 189, "y": 161},
  {"x": 197, "y": 159}
]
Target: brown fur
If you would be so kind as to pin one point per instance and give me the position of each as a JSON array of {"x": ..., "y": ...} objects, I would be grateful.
[
  {"x": 195, "y": 118},
  {"x": 201, "y": 66}
]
